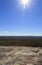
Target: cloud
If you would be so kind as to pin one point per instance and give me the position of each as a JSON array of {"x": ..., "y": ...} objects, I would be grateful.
[{"x": 4, "y": 33}]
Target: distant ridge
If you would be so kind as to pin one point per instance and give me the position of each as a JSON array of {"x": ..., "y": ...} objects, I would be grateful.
[
  {"x": 30, "y": 41},
  {"x": 19, "y": 37}
]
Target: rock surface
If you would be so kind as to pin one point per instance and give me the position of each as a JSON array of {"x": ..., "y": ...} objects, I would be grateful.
[{"x": 12, "y": 55}]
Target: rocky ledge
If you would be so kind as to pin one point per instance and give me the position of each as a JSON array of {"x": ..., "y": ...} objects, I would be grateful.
[{"x": 20, "y": 55}]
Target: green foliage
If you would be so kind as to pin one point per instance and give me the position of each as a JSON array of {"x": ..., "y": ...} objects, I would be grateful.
[{"x": 36, "y": 42}]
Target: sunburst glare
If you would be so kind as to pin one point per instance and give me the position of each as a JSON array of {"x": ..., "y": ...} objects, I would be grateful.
[{"x": 25, "y": 3}]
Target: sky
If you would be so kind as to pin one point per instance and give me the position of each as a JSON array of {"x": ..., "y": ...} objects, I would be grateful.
[{"x": 16, "y": 21}]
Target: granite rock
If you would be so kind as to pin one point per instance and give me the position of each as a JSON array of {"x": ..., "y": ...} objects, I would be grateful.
[{"x": 20, "y": 55}]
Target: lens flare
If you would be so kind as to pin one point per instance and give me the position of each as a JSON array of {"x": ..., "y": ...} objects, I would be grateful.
[{"x": 25, "y": 3}]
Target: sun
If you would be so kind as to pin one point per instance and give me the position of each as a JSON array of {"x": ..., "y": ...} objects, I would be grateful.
[{"x": 25, "y": 3}]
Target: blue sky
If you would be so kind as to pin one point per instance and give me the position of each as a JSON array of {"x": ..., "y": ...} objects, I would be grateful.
[{"x": 13, "y": 21}]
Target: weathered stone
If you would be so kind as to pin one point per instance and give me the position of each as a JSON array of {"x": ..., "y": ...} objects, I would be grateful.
[{"x": 20, "y": 55}]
